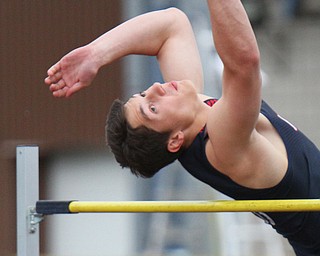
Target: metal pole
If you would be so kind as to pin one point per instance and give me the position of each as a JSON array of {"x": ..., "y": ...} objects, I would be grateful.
[{"x": 27, "y": 196}]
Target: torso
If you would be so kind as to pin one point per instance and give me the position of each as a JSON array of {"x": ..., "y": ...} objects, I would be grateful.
[
  {"x": 301, "y": 177},
  {"x": 269, "y": 163},
  {"x": 265, "y": 128}
]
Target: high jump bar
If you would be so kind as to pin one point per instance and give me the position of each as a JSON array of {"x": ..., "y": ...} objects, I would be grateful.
[{"x": 68, "y": 207}]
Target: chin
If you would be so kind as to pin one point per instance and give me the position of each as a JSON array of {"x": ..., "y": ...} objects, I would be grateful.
[{"x": 189, "y": 85}]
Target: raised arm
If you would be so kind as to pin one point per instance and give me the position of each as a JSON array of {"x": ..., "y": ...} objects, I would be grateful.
[
  {"x": 231, "y": 125},
  {"x": 166, "y": 34}
]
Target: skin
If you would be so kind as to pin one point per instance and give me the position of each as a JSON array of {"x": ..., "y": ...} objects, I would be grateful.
[
  {"x": 242, "y": 143},
  {"x": 162, "y": 108}
]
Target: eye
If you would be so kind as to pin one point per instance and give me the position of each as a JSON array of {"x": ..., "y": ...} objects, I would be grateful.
[
  {"x": 142, "y": 94},
  {"x": 153, "y": 109}
]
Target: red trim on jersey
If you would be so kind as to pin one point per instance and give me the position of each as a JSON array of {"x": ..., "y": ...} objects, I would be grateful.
[{"x": 210, "y": 102}]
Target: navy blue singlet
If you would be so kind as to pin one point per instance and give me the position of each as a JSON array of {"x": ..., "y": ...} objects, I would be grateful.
[{"x": 301, "y": 181}]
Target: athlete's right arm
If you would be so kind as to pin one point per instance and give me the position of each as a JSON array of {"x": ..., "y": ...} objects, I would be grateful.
[
  {"x": 235, "y": 145},
  {"x": 166, "y": 34}
]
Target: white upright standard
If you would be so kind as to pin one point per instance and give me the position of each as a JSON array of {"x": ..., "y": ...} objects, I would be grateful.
[{"x": 27, "y": 196}]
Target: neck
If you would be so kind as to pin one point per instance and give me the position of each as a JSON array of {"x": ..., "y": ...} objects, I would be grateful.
[{"x": 199, "y": 122}]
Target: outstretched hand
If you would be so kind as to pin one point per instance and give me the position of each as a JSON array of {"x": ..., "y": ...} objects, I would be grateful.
[{"x": 74, "y": 71}]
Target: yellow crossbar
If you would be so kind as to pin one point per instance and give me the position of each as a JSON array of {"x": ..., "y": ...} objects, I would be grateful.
[{"x": 197, "y": 206}]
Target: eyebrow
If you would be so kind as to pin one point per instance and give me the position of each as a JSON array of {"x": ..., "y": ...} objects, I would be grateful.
[
  {"x": 142, "y": 112},
  {"x": 140, "y": 107}
]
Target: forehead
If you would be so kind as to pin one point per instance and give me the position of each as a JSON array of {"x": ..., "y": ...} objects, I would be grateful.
[{"x": 133, "y": 113}]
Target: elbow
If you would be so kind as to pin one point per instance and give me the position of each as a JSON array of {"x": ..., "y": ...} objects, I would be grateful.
[
  {"x": 243, "y": 60},
  {"x": 178, "y": 17},
  {"x": 175, "y": 12},
  {"x": 247, "y": 62},
  {"x": 249, "y": 57},
  {"x": 252, "y": 59},
  {"x": 248, "y": 66}
]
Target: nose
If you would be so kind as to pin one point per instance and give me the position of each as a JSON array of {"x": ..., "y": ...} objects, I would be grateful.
[{"x": 156, "y": 90}]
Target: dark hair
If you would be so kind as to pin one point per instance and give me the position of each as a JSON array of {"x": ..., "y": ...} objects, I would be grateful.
[{"x": 141, "y": 149}]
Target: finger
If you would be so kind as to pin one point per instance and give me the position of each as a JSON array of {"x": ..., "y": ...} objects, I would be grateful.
[
  {"x": 60, "y": 93},
  {"x": 54, "y": 69},
  {"x": 75, "y": 88},
  {"x": 47, "y": 80},
  {"x": 54, "y": 78},
  {"x": 50, "y": 80},
  {"x": 58, "y": 86}
]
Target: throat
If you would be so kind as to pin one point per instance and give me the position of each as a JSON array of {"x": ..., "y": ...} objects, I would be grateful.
[{"x": 197, "y": 126}]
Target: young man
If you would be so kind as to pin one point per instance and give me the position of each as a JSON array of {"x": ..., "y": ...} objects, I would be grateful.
[{"x": 237, "y": 144}]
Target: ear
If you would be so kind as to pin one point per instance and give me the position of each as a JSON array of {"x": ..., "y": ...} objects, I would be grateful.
[{"x": 175, "y": 141}]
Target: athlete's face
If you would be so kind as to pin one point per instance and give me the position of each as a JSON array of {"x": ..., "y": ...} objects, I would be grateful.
[{"x": 163, "y": 107}]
